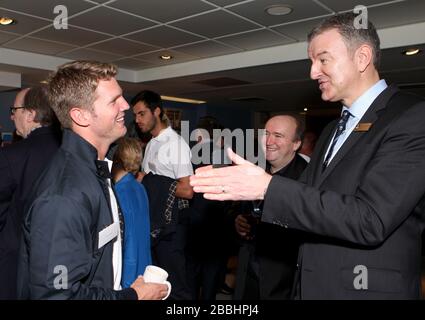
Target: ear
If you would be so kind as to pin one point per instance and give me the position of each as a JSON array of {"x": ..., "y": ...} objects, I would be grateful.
[
  {"x": 297, "y": 145},
  {"x": 157, "y": 112},
  {"x": 81, "y": 117},
  {"x": 30, "y": 115},
  {"x": 364, "y": 56}
]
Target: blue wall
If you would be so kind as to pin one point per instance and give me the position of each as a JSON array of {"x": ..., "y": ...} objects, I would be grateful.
[
  {"x": 231, "y": 117},
  {"x": 6, "y": 101}
]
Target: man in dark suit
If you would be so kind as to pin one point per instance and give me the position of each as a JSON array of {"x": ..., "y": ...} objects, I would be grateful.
[
  {"x": 71, "y": 246},
  {"x": 20, "y": 165},
  {"x": 361, "y": 198},
  {"x": 264, "y": 271}
]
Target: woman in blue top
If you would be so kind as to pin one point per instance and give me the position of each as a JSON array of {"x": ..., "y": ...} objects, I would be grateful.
[{"x": 134, "y": 204}]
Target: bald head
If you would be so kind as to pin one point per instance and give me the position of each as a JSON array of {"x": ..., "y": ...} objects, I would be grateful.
[{"x": 281, "y": 140}]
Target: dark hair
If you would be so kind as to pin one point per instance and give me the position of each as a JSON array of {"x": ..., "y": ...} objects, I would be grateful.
[
  {"x": 37, "y": 99},
  {"x": 353, "y": 37},
  {"x": 151, "y": 99}
]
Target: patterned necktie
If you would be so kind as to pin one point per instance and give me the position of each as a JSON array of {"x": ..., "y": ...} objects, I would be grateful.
[{"x": 340, "y": 128}]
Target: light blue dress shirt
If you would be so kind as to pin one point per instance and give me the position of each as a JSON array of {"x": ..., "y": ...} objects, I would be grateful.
[{"x": 357, "y": 110}]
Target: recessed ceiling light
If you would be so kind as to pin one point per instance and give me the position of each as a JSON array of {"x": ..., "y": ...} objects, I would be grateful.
[
  {"x": 278, "y": 10},
  {"x": 411, "y": 51},
  {"x": 5, "y": 21},
  {"x": 166, "y": 57}
]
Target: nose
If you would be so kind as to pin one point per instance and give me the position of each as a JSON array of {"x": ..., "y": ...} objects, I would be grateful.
[
  {"x": 124, "y": 105},
  {"x": 314, "y": 71},
  {"x": 137, "y": 118},
  {"x": 269, "y": 139},
  {"x": 12, "y": 117}
]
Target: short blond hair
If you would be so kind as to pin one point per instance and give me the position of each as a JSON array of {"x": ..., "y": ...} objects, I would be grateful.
[
  {"x": 128, "y": 154},
  {"x": 74, "y": 85}
]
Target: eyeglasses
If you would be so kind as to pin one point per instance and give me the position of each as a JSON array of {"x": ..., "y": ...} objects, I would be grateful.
[{"x": 13, "y": 109}]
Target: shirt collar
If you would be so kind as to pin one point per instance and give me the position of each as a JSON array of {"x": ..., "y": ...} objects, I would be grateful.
[
  {"x": 362, "y": 103},
  {"x": 163, "y": 134},
  {"x": 102, "y": 169},
  {"x": 80, "y": 148}
]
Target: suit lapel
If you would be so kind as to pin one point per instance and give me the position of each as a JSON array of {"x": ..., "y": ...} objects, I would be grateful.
[
  {"x": 321, "y": 147},
  {"x": 370, "y": 116}
]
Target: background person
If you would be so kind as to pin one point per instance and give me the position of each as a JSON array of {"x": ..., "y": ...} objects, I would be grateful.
[
  {"x": 134, "y": 204},
  {"x": 167, "y": 163},
  {"x": 21, "y": 164},
  {"x": 268, "y": 256},
  {"x": 308, "y": 144}
]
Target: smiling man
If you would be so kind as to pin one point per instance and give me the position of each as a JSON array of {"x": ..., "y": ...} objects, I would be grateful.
[
  {"x": 264, "y": 271},
  {"x": 72, "y": 231},
  {"x": 281, "y": 141},
  {"x": 362, "y": 197}
]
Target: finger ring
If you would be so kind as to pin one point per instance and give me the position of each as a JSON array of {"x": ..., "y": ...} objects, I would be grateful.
[{"x": 223, "y": 190}]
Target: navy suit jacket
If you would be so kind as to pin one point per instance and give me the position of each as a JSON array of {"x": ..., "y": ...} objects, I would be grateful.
[
  {"x": 20, "y": 165},
  {"x": 62, "y": 255},
  {"x": 365, "y": 212}
]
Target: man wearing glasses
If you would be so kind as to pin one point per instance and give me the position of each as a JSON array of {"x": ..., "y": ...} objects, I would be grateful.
[{"x": 20, "y": 165}]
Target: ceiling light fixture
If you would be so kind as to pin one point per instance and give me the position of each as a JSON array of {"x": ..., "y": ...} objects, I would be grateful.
[
  {"x": 166, "y": 57},
  {"x": 411, "y": 51},
  {"x": 278, "y": 10},
  {"x": 177, "y": 99},
  {"x": 5, "y": 21},
  {"x": 306, "y": 109}
]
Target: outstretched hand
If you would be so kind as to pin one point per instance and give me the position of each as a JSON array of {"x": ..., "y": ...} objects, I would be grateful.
[{"x": 241, "y": 181}]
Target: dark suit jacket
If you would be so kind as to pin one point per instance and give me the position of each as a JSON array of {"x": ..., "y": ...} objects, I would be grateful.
[
  {"x": 273, "y": 252},
  {"x": 61, "y": 256},
  {"x": 163, "y": 206},
  {"x": 365, "y": 210},
  {"x": 277, "y": 249},
  {"x": 20, "y": 165}
]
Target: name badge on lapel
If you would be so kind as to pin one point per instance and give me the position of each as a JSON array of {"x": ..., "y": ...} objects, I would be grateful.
[
  {"x": 108, "y": 233},
  {"x": 363, "y": 127}
]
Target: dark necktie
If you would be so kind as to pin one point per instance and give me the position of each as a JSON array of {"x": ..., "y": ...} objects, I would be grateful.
[
  {"x": 104, "y": 173},
  {"x": 340, "y": 128}
]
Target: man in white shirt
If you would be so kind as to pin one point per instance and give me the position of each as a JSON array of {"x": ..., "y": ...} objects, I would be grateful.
[{"x": 167, "y": 155}]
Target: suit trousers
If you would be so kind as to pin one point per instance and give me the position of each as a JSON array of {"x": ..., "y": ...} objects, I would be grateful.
[{"x": 169, "y": 254}]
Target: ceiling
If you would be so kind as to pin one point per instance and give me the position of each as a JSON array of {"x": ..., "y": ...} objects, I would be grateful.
[{"x": 227, "y": 52}]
